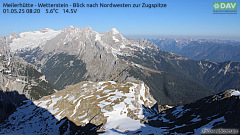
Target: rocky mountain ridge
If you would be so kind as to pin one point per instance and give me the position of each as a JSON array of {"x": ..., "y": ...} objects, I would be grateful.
[
  {"x": 72, "y": 55},
  {"x": 213, "y": 112},
  {"x": 115, "y": 106},
  {"x": 31, "y": 119},
  {"x": 86, "y": 46}
]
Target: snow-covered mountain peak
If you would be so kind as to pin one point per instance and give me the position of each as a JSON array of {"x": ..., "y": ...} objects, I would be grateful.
[
  {"x": 14, "y": 35},
  {"x": 112, "y": 40},
  {"x": 88, "y": 28},
  {"x": 114, "y": 31},
  {"x": 71, "y": 26},
  {"x": 45, "y": 30}
]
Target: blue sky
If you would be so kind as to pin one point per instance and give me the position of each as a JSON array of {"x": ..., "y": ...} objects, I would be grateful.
[{"x": 181, "y": 18}]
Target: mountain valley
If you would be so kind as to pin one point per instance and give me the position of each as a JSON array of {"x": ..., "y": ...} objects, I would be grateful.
[{"x": 78, "y": 81}]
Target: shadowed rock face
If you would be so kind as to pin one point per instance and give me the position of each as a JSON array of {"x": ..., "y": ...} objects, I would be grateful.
[
  {"x": 28, "y": 118},
  {"x": 213, "y": 112},
  {"x": 68, "y": 127},
  {"x": 9, "y": 101}
]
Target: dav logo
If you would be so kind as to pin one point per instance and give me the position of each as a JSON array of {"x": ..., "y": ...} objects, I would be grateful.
[{"x": 225, "y": 5}]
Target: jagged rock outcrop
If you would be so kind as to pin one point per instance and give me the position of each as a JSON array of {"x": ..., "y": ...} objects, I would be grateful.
[
  {"x": 145, "y": 42},
  {"x": 213, "y": 112},
  {"x": 4, "y": 45},
  {"x": 68, "y": 127},
  {"x": 18, "y": 75}
]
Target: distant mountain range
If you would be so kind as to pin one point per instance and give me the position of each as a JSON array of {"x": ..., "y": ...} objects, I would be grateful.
[
  {"x": 199, "y": 49},
  {"x": 72, "y": 55}
]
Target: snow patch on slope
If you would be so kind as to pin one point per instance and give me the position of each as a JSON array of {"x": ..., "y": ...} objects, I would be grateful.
[
  {"x": 115, "y": 39},
  {"x": 235, "y": 93},
  {"x": 120, "y": 104},
  {"x": 210, "y": 125}
]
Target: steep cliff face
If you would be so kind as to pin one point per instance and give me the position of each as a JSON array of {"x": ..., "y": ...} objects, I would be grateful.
[
  {"x": 80, "y": 52},
  {"x": 5, "y": 49},
  {"x": 18, "y": 75},
  {"x": 96, "y": 52}
]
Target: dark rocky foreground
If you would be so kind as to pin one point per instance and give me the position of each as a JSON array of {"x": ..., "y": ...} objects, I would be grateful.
[
  {"x": 15, "y": 118},
  {"x": 219, "y": 111},
  {"x": 9, "y": 102}
]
